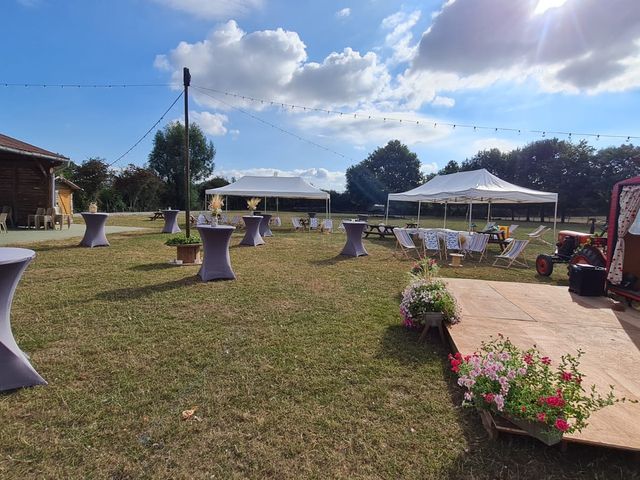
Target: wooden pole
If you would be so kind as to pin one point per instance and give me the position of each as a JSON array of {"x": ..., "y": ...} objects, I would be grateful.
[{"x": 186, "y": 77}]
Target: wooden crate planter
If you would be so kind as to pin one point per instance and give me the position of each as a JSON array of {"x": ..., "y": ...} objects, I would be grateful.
[
  {"x": 189, "y": 254},
  {"x": 495, "y": 423}
]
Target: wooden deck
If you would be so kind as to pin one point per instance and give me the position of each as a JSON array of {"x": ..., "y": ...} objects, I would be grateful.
[{"x": 559, "y": 322}]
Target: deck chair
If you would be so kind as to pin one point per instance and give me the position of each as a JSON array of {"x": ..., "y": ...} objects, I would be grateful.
[
  {"x": 452, "y": 242},
  {"x": 313, "y": 223},
  {"x": 478, "y": 244},
  {"x": 276, "y": 222},
  {"x": 224, "y": 219},
  {"x": 513, "y": 228},
  {"x": 511, "y": 254},
  {"x": 404, "y": 242},
  {"x": 430, "y": 243},
  {"x": 327, "y": 225},
  {"x": 538, "y": 233},
  {"x": 296, "y": 224},
  {"x": 341, "y": 228},
  {"x": 3, "y": 222},
  {"x": 235, "y": 221},
  {"x": 202, "y": 219}
]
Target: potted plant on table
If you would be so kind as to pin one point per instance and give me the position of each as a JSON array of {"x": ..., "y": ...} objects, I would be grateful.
[
  {"x": 215, "y": 207},
  {"x": 252, "y": 204},
  {"x": 523, "y": 387},
  {"x": 187, "y": 248}
]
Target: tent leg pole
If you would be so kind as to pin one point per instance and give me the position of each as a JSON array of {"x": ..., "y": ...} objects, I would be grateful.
[
  {"x": 419, "y": 205},
  {"x": 470, "y": 214},
  {"x": 555, "y": 216},
  {"x": 386, "y": 215},
  {"x": 489, "y": 212},
  {"x": 445, "y": 215}
]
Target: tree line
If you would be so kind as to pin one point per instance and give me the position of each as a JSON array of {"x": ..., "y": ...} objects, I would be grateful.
[{"x": 581, "y": 175}]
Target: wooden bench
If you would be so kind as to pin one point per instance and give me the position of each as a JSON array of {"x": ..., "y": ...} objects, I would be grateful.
[{"x": 382, "y": 231}]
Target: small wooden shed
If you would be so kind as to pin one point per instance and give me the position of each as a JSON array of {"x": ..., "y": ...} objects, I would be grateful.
[
  {"x": 64, "y": 194},
  {"x": 27, "y": 177}
]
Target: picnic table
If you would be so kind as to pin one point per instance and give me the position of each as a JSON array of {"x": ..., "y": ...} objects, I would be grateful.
[
  {"x": 497, "y": 236},
  {"x": 381, "y": 230},
  {"x": 158, "y": 214}
]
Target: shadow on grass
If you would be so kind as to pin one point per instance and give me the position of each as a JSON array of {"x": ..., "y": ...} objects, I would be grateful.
[
  {"x": 151, "y": 267},
  {"x": 120, "y": 294},
  {"x": 331, "y": 261},
  {"x": 401, "y": 344}
]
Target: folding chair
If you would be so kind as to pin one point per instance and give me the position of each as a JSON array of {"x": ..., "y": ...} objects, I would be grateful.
[
  {"x": 478, "y": 244},
  {"x": 488, "y": 226},
  {"x": 512, "y": 228},
  {"x": 430, "y": 243},
  {"x": 538, "y": 233},
  {"x": 511, "y": 254},
  {"x": 313, "y": 223},
  {"x": 3, "y": 222},
  {"x": 224, "y": 219},
  {"x": 327, "y": 225},
  {"x": 451, "y": 242},
  {"x": 405, "y": 243},
  {"x": 276, "y": 222},
  {"x": 296, "y": 224}
]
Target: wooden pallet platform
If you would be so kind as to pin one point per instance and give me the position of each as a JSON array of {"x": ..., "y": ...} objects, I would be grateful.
[{"x": 558, "y": 322}]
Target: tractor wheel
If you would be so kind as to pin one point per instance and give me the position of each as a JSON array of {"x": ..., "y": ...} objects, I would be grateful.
[
  {"x": 588, "y": 255},
  {"x": 544, "y": 265}
]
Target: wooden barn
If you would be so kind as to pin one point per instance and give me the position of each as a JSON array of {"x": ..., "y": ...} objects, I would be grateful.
[{"x": 27, "y": 177}]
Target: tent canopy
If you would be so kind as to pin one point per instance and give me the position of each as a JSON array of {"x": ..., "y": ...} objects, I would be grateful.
[
  {"x": 282, "y": 187},
  {"x": 475, "y": 186}
]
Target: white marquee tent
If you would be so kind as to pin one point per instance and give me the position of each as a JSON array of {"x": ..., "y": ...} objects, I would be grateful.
[
  {"x": 270, "y": 187},
  {"x": 475, "y": 186}
]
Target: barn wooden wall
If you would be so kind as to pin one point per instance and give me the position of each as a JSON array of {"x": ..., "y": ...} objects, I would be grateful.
[{"x": 24, "y": 188}]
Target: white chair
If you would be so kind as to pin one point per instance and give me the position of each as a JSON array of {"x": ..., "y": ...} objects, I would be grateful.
[
  {"x": 276, "y": 222},
  {"x": 296, "y": 224},
  {"x": 511, "y": 254},
  {"x": 341, "y": 228},
  {"x": 3, "y": 222},
  {"x": 478, "y": 244},
  {"x": 202, "y": 220},
  {"x": 327, "y": 225},
  {"x": 405, "y": 243},
  {"x": 313, "y": 223},
  {"x": 430, "y": 242},
  {"x": 488, "y": 226},
  {"x": 538, "y": 233},
  {"x": 452, "y": 242},
  {"x": 512, "y": 228}
]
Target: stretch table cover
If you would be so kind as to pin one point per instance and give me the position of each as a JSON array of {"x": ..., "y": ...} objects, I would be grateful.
[
  {"x": 265, "y": 231},
  {"x": 15, "y": 369},
  {"x": 171, "y": 221},
  {"x": 94, "y": 234},
  {"x": 215, "y": 243},
  {"x": 354, "y": 246},
  {"x": 252, "y": 236}
]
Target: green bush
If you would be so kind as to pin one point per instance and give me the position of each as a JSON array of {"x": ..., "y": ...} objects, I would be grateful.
[{"x": 182, "y": 239}]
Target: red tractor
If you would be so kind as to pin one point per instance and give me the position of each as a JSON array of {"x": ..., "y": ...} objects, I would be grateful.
[{"x": 573, "y": 248}]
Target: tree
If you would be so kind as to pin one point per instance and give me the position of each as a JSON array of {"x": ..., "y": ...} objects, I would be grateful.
[
  {"x": 393, "y": 168},
  {"x": 139, "y": 188},
  {"x": 215, "y": 182},
  {"x": 92, "y": 176},
  {"x": 451, "y": 167},
  {"x": 167, "y": 160}
]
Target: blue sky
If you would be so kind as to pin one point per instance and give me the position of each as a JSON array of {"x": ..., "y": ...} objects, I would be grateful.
[{"x": 571, "y": 65}]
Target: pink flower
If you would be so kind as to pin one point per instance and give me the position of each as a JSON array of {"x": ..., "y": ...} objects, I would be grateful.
[
  {"x": 562, "y": 425},
  {"x": 541, "y": 417},
  {"x": 488, "y": 397},
  {"x": 528, "y": 359},
  {"x": 546, "y": 360},
  {"x": 555, "y": 402},
  {"x": 566, "y": 376}
]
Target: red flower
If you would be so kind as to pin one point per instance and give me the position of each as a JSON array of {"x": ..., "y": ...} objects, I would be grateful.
[
  {"x": 566, "y": 376},
  {"x": 488, "y": 397},
  {"x": 541, "y": 416},
  {"x": 555, "y": 402},
  {"x": 546, "y": 360},
  {"x": 528, "y": 359},
  {"x": 523, "y": 408},
  {"x": 562, "y": 425}
]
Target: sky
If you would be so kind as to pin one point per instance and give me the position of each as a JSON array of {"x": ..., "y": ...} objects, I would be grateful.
[{"x": 384, "y": 69}]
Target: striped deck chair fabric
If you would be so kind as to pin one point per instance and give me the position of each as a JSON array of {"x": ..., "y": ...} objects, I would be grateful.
[
  {"x": 327, "y": 225},
  {"x": 478, "y": 244},
  {"x": 276, "y": 222},
  {"x": 452, "y": 242},
  {"x": 511, "y": 254},
  {"x": 405, "y": 243},
  {"x": 295, "y": 221},
  {"x": 313, "y": 223},
  {"x": 538, "y": 233}
]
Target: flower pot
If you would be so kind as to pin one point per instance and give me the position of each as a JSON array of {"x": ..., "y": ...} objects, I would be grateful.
[{"x": 189, "y": 254}]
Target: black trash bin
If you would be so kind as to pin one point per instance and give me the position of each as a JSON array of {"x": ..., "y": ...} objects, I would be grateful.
[{"x": 587, "y": 280}]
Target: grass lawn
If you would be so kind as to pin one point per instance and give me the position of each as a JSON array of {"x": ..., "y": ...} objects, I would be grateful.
[{"x": 299, "y": 369}]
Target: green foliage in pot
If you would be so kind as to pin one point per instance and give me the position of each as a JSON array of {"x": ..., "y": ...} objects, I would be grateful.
[{"x": 182, "y": 239}]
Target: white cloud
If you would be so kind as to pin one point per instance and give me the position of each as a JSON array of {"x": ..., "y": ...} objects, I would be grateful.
[
  {"x": 212, "y": 9},
  {"x": 359, "y": 130},
  {"x": 428, "y": 168},
  {"x": 578, "y": 46},
  {"x": 439, "y": 101},
  {"x": 211, "y": 123},
  {"x": 400, "y": 38},
  {"x": 488, "y": 143},
  {"x": 345, "y": 12},
  {"x": 318, "y": 177}
]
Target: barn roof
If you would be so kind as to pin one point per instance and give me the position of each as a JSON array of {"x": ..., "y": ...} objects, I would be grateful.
[
  {"x": 18, "y": 147},
  {"x": 68, "y": 183}
]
